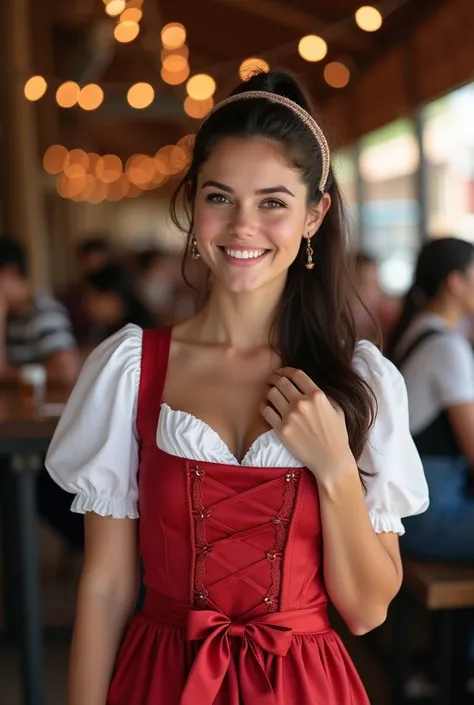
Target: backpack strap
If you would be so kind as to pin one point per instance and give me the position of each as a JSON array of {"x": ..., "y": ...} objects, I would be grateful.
[{"x": 415, "y": 344}]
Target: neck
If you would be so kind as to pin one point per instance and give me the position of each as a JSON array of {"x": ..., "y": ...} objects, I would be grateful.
[
  {"x": 447, "y": 310},
  {"x": 242, "y": 321}
]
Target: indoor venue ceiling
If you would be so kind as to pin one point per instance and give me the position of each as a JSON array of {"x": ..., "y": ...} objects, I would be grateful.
[{"x": 74, "y": 41}]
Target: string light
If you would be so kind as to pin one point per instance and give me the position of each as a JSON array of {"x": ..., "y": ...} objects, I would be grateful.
[
  {"x": 67, "y": 94},
  {"x": 175, "y": 63},
  {"x": 131, "y": 14},
  {"x": 251, "y": 66},
  {"x": 76, "y": 163},
  {"x": 90, "y": 97},
  {"x": 126, "y": 32},
  {"x": 173, "y": 35},
  {"x": 174, "y": 78},
  {"x": 368, "y": 18},
  {"x": 201, "y": 86},
  {"x": 198, "y": 109},
  {"x": 35, "y": 88},
  {"x": 115, "y": 7},
  {"x": 140, "y": 95},
  {"x": 54, "y": 159},
  {"x": 312, "y": 48},
  {"x": 336, "y": 74},
  {"x": 180, "y": 51},
  {"x": 109, "y": 168}
]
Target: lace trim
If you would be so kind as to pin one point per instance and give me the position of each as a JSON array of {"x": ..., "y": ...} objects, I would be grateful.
[
  {"x": 281, "y": 521},
  {"x": 200, "y": 514}
]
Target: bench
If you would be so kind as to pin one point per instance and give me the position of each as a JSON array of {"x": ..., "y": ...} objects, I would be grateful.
[{"x": 447, "y": 592}]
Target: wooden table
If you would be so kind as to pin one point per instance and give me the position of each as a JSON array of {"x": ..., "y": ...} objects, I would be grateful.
[{"x": 24, "y": 438}]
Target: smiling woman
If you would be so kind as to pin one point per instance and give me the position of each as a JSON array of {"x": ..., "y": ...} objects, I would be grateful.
[{"x": 247, "y": 438}]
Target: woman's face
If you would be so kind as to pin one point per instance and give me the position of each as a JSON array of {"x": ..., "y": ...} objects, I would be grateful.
[{"x": 251, "y": 213}]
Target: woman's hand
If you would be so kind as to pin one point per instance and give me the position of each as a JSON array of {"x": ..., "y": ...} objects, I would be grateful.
[{"x": 311, "y": 427}]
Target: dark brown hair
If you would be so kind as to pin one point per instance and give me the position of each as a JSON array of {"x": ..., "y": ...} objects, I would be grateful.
[
  {"x": 313, "y": 330},
  {"x": 436, "y": 261}
]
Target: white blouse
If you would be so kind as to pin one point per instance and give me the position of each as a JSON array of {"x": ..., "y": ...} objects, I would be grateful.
[{"x": 94, "y": 451}]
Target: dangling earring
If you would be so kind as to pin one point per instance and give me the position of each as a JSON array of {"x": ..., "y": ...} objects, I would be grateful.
[
  {"x": 194, "y": 250},
  {"x": 309, "y": 255}
]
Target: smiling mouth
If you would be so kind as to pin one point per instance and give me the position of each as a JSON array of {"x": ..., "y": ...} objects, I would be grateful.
[{"x": 247, "y": 254}]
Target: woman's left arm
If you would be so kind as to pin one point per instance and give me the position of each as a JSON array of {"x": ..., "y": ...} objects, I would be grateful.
[{"x": 362, "y": 568}]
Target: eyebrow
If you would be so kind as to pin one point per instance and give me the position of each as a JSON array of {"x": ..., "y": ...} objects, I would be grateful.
[{"x": 260, "y": 192}]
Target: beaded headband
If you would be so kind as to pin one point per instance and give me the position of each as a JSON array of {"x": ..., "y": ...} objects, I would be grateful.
[{"x": 302, "y": 114}]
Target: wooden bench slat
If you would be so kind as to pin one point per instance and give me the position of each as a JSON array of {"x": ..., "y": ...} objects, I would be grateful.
[{"x": 440, "y": 586}]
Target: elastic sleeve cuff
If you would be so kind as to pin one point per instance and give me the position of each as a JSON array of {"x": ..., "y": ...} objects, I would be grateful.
[
  {"x": 386, "y": 523},
  {"x": 105, "y": 506}
]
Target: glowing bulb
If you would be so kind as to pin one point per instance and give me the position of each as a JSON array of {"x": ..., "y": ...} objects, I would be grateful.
[
  {"x": 197, "y": 109},
  {"x": 312, "y": 48},
  {"x": 126, "y": 32},
  {"x": 90, "y": 97},
  {"x": 115, "y": 7},
  {"x": 67, "y": 94},
  {"x": 173, "y": 35},
  {"x": 251, "y": 66},
  {"x": 175, "y": 63},
  {"x": 201, "y": 87},
  {"x": 35, "y": 88},
  {"x": 54, "y": 158},
  {"x": 131, "y": 14},
  {"x": 368, "y": 18},
  {"x": 337, "y": 74},
  {"x": 174, "y": 78},
  {"x": 140, "y": 95}
]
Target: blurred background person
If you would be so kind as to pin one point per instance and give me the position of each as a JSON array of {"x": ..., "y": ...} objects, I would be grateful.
[
  {"x": 93, "y": 254},
  {"x": 111, "y": 301},
  {"x": 367, "y": 300},
  {"x": 437, "y": 363},
  {"x": 33, "y": 328}
]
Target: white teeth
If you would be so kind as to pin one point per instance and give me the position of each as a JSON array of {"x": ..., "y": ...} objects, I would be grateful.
[{"x": 244, "y": 254}]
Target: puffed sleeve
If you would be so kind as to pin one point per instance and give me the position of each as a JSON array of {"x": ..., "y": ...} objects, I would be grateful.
[
  {"x": 94, "y": 451},
  {"x": 397, "y": 487}
]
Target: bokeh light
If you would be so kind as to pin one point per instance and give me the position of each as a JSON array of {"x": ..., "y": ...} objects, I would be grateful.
[
  {"x": 126, "y": 32},
  {"x": 54, "y": 159},
  {"x": 336, "y": 74},
  {"x": 312, "y": 48},
  {"x": 175, "y": 78},
  {"x": 201, "y": 86},
  {"x": 90, "y": 97},
  {"x": 140, "y": 95},
  {"x": 251, "y": 66},
  {"x": 35, "y": 88},
  {"x": 67, "y": 94},
  {"x": 173, "y": 35},
  {"x": 368, "y": 18},
  {"x": 198, "y": 109}
]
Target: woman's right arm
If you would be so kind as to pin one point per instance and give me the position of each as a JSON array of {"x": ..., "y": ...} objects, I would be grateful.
[{"x": 107, "y": 595}]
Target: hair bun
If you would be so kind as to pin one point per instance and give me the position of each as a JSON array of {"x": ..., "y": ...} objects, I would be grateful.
[{"x": 279, "y": 82}]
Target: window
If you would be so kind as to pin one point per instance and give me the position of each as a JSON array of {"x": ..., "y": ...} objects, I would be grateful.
[
  {"x": 389, "y": 162},
  {"x": 449, "y": 151}
]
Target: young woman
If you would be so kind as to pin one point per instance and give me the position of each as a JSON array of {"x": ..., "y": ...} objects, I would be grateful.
[
  {"x": 437, "y": 363},
  {"x": 238, "y": 436}
]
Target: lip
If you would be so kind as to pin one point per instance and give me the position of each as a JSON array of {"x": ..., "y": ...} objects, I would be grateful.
[{"x": 249, "y": 262}]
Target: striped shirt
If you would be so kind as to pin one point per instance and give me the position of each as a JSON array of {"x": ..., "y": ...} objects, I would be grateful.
[{"x": 36, "y": 335}]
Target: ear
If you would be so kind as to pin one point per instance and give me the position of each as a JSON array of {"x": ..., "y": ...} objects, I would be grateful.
[{"x": 316, "y": 215}]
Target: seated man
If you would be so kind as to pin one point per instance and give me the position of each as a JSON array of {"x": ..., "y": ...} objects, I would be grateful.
[
  {"x": 36, "y": 329},
  {"x": 33, "y": 329}
]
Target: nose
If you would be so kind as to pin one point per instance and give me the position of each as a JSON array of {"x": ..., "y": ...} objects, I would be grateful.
[{"x": 244, "y": 223}]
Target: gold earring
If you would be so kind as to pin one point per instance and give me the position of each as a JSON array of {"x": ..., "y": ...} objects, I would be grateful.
[
  {"x": 194, "y": 250},
  {"x": 309, "y": 255}
]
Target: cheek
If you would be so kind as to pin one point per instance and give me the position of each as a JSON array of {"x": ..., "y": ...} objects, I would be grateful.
[{"x": 209, "y": 222}]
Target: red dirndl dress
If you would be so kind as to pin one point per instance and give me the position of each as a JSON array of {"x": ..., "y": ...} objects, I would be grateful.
[{"x": 235, "y": 610}]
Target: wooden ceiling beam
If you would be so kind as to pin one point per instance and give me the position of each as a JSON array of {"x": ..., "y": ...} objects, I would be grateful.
[{"x": 288, "y": 16}]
